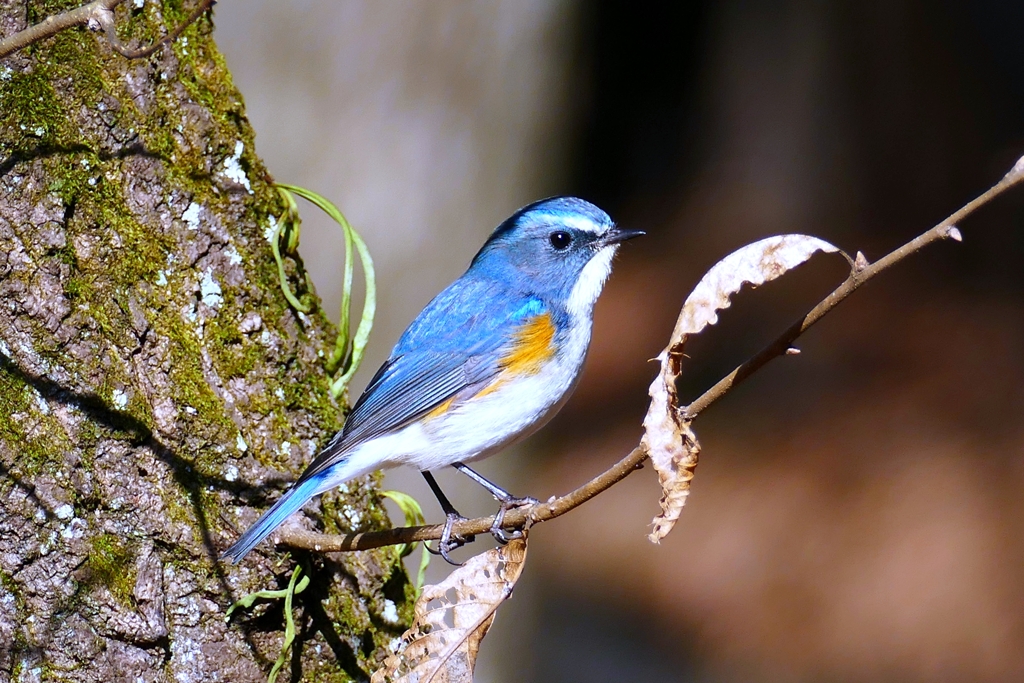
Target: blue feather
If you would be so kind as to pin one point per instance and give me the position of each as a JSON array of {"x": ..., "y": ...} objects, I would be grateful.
[
  {"x": 296, "y": 497},
  {"x": 533, "y": 306}
]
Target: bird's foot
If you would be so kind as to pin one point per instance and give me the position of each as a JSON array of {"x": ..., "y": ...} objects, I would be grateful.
[
  {"x": 450, "y": 541},
  {"x": 510, "y": 503}
]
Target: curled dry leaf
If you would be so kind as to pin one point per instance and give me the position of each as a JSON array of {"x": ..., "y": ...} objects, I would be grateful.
[
  {"x": 452, "y": 618},
  {"x": 668, "y": 438}
]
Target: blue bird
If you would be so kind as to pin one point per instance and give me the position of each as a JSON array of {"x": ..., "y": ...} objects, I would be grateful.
[{"x": 487, "y": 363}]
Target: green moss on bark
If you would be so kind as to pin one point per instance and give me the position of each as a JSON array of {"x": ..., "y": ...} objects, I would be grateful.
[
  {"x": 111, "y": 564},
  {"x": 123, "y": 148}
]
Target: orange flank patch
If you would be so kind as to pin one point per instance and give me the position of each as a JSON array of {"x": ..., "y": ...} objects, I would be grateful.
[
  {"x": 532, "y": 346},
  {"x": 490, "y": 388},
  {"x": 440, "y": 410}
]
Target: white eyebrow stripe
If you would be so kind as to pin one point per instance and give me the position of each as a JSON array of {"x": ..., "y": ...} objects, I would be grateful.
[{"x": 576, "y": 222}]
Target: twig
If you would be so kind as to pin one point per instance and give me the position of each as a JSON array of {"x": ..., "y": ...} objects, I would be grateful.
[
  {"x": 106, "y": 20},
  {"x": 55, "y": 24},
  {"x": 542, "y": 512},
  {"x": 97, "y": 15},
  {"x": 516, "y": 518},
  {"x": 860, "y": 274}
]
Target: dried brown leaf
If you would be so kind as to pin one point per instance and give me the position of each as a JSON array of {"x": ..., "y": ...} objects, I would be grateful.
[
  {"x": 668, "y": 438},
  {"x": 452, "y": 618}
]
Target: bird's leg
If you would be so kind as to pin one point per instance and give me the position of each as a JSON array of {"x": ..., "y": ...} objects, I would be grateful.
[
  {"x": 451, "y": 515},
  {"x": 506, "y": 499}
]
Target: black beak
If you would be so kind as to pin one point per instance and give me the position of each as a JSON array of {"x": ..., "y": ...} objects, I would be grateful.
[{"x": 617, "y": 235}]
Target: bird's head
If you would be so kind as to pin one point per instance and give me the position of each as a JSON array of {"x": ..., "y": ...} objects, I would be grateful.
[{"x": 561, "y": 248}]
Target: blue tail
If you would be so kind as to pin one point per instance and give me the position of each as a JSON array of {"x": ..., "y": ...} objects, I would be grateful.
[{"x": 294, "y": 499}]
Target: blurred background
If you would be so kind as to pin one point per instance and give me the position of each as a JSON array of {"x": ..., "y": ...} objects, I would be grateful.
[{"x": 858, "y": 513}]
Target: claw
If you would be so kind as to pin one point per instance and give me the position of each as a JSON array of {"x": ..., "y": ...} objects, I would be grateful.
[
  {"x": 450, "y": 542},
  {"x": 507, "y": 504},
  {"x": 504, "y": 498}
]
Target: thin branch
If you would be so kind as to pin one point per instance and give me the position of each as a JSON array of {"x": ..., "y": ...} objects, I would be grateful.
[
  {"x": 516, "y": 518},
  {"x": 524, "y": 517},
  {"x": 861, "y": 273},
  {"x": 96, "y": 15},
  {"x": 107, "y": 23},
  {"x": 55, "y": 24}
]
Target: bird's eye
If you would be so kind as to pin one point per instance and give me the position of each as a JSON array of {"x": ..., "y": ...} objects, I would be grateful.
[{"x": 560, "y": 240}]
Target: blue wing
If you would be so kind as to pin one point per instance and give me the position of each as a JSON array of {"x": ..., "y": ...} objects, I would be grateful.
[{"x": 450, "y": 348}]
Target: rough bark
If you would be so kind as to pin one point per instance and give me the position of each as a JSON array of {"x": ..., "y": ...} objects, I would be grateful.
[{"x": 156, "y": 390}]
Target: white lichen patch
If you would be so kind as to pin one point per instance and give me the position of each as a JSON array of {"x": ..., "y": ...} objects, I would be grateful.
[
  {"x": 210, "y": 291},
  {"x": 64, "y": 512},
  {"x": 191, "y": 216},
  {"x": 46, "y": 547},
  {"x": 390, "y": 613},
  {"x": 232, "y": 255},
  {"x": 231, "y": 473},
  {"x": 233, "y": 167},
  {"x": 186, "y": 655},
  {"x": 161, "y": 279},
  {"x": 76, "y": 529},
  {"x": 240, "y": 443},
  {"x": 119, "y": 399},
  {"x": 354, "y": 516},
  {"x": 286, "y": 448},
  {"x": 41, "y": 402},
  {"x": 271, "y": 229}
]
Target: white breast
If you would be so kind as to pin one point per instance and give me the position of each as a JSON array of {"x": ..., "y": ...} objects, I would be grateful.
[{"x": 484, "y": 426}]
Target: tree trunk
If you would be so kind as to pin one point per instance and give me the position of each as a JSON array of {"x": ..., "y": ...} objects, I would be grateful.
[{"x": 156, "y": 389}]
